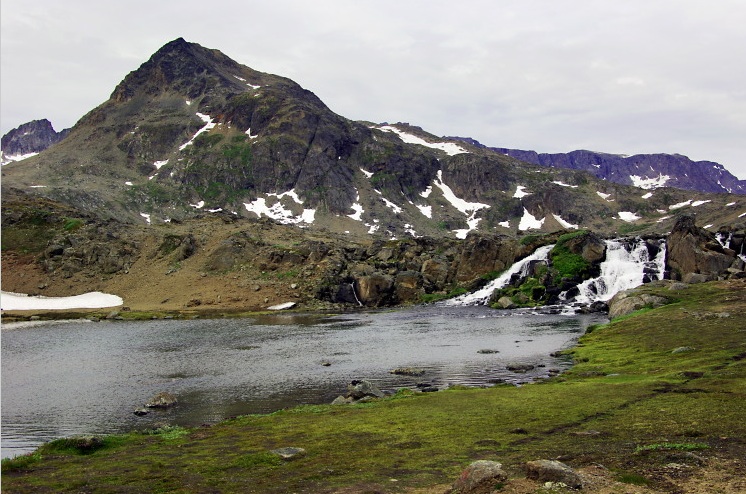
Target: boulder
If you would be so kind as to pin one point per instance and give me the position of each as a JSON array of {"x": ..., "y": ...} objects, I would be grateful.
[
  {"x": 484, "y": 253},
  {"x": 375, "y": 290},
  {"x": 481, "y": 477},
  {"x": 358, "y": 390},
  {"x": 434, "y": 272},
  {"x": 691, "y": 249},
  {"x": 553, "y": 471},
  {"x": 589, "y": 246},
  {"x": 505, "y": 303},
  {"x": 163, "y": 399},
  {"x": 407, "y": 286},
  {"x": 289, "y": 453},
  {"x": 628, "y": 301}
]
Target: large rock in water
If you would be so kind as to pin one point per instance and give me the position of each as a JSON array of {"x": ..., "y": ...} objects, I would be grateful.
[{"x": 691, "y": 249}]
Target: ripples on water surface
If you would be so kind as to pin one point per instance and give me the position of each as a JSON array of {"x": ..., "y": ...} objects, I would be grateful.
[{"x": 87, "y": 378}]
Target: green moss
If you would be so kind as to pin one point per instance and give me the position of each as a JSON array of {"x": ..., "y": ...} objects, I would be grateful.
[
  {"x": 565, "y": 263},
  {"x": 72, "y": 224}
]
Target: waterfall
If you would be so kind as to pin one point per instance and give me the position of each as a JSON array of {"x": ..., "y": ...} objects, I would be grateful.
[
  {"x": 626, "y": 266},
  {"x": 482, "y": 296}
]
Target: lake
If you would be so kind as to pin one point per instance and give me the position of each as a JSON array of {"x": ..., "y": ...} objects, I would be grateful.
[{"x": 68, "y": 378}]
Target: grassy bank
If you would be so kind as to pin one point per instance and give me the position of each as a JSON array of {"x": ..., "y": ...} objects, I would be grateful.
[{"x": 648, "y": 389}]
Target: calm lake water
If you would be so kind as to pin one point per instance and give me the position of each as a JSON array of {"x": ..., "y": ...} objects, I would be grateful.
[{"x": 71, "y": 378}]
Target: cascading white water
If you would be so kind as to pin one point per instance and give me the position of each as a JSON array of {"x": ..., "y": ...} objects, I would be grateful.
[
  {"x": 621, "y": 270},
  {"x": 482, "y": 296}
]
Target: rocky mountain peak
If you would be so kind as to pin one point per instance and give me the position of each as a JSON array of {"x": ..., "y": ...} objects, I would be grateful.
[
  {"x": 29, "y": 138},
  {"x": 185, "y": 68}
]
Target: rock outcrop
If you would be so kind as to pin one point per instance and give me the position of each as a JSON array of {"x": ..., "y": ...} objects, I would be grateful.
[{"x": 691, "y": 250}]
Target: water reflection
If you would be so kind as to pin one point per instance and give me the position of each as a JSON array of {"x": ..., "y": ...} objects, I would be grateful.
[{"x": 82, "y": 378}]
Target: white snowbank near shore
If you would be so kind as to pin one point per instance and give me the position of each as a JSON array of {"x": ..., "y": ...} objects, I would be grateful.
[{"x": 92, "y": 300}]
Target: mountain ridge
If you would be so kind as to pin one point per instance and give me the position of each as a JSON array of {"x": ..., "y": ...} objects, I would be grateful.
[
  {"x": 191, "y": 132},
  {"x": 648, "y": 171}
]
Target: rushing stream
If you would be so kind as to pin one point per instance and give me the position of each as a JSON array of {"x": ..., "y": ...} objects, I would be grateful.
[{"x": 64, "y": 379}]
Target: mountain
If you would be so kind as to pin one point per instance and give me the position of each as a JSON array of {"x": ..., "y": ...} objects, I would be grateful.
[
  {"x": 192, "y": 133},
  {"x": 29, "y": 139},
  {"x": 647, "y": 171}
]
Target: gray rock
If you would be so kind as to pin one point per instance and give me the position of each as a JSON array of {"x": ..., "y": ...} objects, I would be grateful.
[
  {"x": 289, "y": 453},
  {"x": 407, "y": 371},
  {"x": 341, "y": 400},
  {"x": 162, "y": 400},
  {"x": 481, "y": 477},
  {"x": 682, "y": 349},
  {"x": 360, "y": 389},
  {"x": 505, "y": 303},
  {"x": 693, "y": 278},
  {"x": 553, "y": 471}
]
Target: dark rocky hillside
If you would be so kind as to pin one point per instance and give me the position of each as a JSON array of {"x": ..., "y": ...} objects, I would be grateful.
[{"x": 193, "y": 133}]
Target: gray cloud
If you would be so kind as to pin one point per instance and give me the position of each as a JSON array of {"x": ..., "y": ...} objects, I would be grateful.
[{"x": 550, "y": 75}]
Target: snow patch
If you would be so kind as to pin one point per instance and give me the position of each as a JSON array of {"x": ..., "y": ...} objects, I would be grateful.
[
  {"x": 449, "y": 147},
  {"x": 91, "y": 300},
  {"x": 680, "y": 204},
  {"x": 159, "y": 164},
  {"x": 208, "y": 125},
  {"x": 565, "y": 224},
  {"x": 278, "y": 212},
  {"x": 647, "y": 196},
  {"x": 468, "y": 208},
  {"x": 358, "y": 208},
  {"x": 426, "y": 210},
  {"x": 366, "y": 173},
  {"x": 146, "y": 216},
  {"x": 504, "y": 224},
  {"x": 661, "y": 220},
  {"x": 529, "y": 221},
  {"x": 12, "y": 158},
  {"x": 37, "y": 186},
  {"x": 199, "y": 205},
  {"x": 628, "y": 216},
  {"x": 650, "y": 183},
  {"x": 248, "y": 133},
  {"x": 707, "y": 226},
  {"x": 426, "y": 193},
  {"x": 519, "y": 192},
  {"x": 396, "y": 209},
  {"x": 604, "y": 196},
  {"x": 730, "y": 204},
  {"x": 699, "y": 203},
  {"x": 564, "y": 184},
  {"x": 128, "y": 183}
]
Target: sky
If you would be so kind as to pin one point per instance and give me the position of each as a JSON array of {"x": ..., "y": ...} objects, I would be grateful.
[{"x": 639, "y": 76}]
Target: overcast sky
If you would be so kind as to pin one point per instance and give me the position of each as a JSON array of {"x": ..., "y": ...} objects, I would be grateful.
[{"x": 634, "y": 76}]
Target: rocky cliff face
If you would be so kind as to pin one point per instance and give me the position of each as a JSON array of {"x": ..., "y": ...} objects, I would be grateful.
[
  {"x": 28, "y": 139},
  {"x": 648, "y": 171}
]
